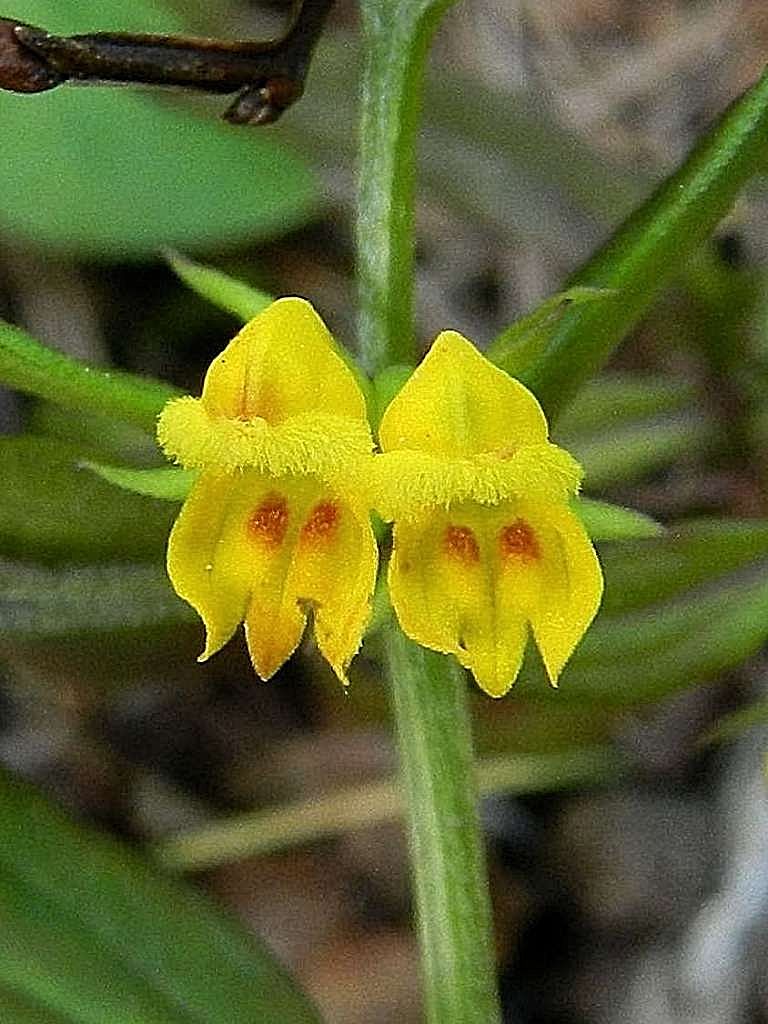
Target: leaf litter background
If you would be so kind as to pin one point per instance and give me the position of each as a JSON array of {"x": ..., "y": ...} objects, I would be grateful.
[{"x": 635, "y": 887}]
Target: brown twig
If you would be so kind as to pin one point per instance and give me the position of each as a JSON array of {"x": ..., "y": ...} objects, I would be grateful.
[{"x": 268, "y": 76}]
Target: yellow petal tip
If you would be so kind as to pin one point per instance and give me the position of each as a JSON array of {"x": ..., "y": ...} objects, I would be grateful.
[{"x": 493, "y": 692}]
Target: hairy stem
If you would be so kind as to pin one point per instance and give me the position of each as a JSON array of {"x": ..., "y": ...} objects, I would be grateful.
[{"x": 448, "y": 862}]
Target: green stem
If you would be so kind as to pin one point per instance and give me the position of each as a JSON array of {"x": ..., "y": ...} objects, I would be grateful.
[
  {"x": 450, "y": 880},
  {"x": 448, "y": 863},
  {"x": 397, "y": 35}
]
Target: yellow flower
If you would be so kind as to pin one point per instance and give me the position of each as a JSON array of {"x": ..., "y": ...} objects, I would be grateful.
[
  {"x": 273, "y": 528},
  {"x": 485, "y": 544}
]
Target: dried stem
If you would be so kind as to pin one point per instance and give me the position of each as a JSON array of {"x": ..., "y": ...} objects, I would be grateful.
[{"x": 268, "y": 75}]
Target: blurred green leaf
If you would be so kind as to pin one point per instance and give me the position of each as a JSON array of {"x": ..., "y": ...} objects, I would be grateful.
[
  {"x": 168, "y": 483},
  {"x": 91, "y": 933},
  {"x": 517, "y": 725},
  {"x": 28, "y": 366},
  {"x": 613, "y": 399},
  {"x": 651, "y": 654},
  {"x": 52, "y": 509},
  {"x": 108, "y": 15},
  {"x": 622, "y": 428},
  {"x": 37, "y": 602},
  {"x": 228, "y": 293},
  {"x": 677, "y": 610},
  {"x": 604, "y": 521},
  {"x": 15, "y": 1008},
  {"x": 686, "y": 557},
  {"x": 548, "y": 164},
  {"x": 54, "y": 960},
  {"x": 91, "y": 432},
  {"x": 639, "y": 448},
  {"x": 112, "y": 172}
]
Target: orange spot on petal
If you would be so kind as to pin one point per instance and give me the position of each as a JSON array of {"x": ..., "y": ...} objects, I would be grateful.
[
  {"x": 269, "y": 521},
  {"x": 261, "y": 404},
  {"x": 506, "y": 453},
  {"x": 460, "y": 543},
  {"x": 517, "y": 540},
  {"x": 321, "y": 523}
]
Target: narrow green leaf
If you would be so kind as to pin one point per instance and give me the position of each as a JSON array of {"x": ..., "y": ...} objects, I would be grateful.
[
  {"x": 370, "y": 804},
  {"x": 730, "y": 727},
  {"x": 551, "y": 166},
  {"x": 523, "y": 342},
  {"x": 228, "y": 293},
  {"x": 116, "y": 598},
  {"x": 649, "y": 248},
  {"x": 517, "y": 727},
  {"x": 622, "y": 428},
  {"x": 604, "y": 521},
  {"x": 28, "y": 366},
  {"x": 52, "y": 509},
  {"x": 168, "y": 483},
  {"x": 88, "y": 913}
]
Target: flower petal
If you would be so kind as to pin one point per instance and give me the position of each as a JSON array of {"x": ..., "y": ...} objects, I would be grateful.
[
  {"x": 264, "y": 550},
  {"x": 469, "y": 580},
  {"x": 282, "y": 364},
  {"x": 334, "y": 574},
  {"x": 205, "y": 562},
  {"x": 443, "y": 590},
  {"x": 572, "y": 586},
  {"x": 458, "y": 404}
]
